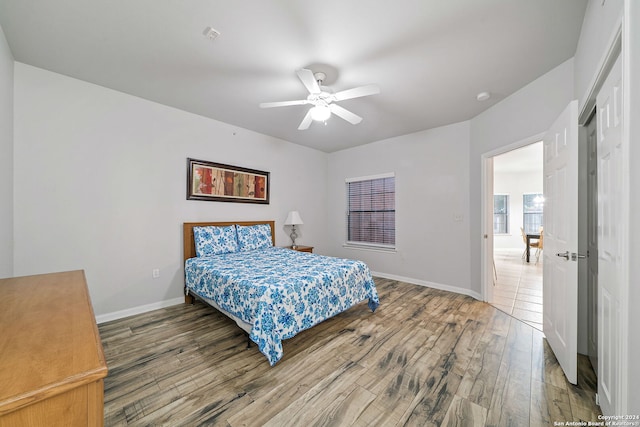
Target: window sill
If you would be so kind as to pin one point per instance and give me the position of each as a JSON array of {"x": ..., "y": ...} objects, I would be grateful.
[{"x": 372, "y": 248}]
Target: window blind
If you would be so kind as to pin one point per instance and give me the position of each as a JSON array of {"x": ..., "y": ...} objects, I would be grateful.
[
  {"x": 371, "y": 217},
  {"x": 532, "y": 212},
  {"x": 500, "y": 214}
]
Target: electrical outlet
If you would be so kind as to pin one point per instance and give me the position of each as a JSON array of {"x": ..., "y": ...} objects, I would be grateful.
[{"x": 155, "y": 273}]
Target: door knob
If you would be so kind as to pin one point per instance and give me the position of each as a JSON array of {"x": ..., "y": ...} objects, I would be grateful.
[{"x": 564, "y": 255}]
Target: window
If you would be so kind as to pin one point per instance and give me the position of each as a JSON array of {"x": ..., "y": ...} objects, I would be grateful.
[
  {"x": 532, "y": 211},
  {"x": 371, "y": 216},
  {"x": 500, "y": 214}
]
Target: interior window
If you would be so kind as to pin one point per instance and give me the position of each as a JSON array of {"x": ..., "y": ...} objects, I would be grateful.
[
  {"x": 371, "y": 215},
  {"x": 500, "y": 214},
  {"x": 532, "y": 211}
]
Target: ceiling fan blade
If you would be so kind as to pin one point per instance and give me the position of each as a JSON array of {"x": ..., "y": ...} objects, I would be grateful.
[
  {"x": 345, "y": 114},
  {"x": 283, "y": 103},
  {"x": 357, "y": 92},
  {"x": 308, "y": 80},
  {"x": 306, "y": 122}
]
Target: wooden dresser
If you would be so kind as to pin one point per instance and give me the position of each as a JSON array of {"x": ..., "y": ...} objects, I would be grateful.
[{"x": 51, "y": 361}]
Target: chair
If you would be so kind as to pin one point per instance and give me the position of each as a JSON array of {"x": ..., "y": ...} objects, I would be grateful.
[
  {"x": 524, "y": 240},
  {"x": 532, "y": 244},
  {"x": 539, "y": 245},
  {"x": 495, "y": 272}
]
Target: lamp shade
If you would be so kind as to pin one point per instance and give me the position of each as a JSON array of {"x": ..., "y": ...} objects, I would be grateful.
[{"x": 293, "y": 218}]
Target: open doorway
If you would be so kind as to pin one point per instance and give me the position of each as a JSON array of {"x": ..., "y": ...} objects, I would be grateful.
[
  {"x": 503, "y": 284},
  {"x": 518, "y": 218}
]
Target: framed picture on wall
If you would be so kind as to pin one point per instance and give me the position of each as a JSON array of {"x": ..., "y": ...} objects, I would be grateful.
[{"x": 217, "y": 182}]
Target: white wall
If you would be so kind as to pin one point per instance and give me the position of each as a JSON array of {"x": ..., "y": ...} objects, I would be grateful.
[
  {"x": 599, "y": 26},
  {"x": 100, "y": 185},
  {"x": 515, "y": 184},
  {"x": 523, "y": 115},
  {"x": 6, "y": 158},
  {"x": 432, "y": 186}
]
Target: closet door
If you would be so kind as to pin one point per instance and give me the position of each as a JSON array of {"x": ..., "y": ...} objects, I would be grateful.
[{"x": 610, "y": 237}]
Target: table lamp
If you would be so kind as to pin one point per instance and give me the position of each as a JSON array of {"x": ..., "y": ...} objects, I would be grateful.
[{"x": 293, "y": 219}]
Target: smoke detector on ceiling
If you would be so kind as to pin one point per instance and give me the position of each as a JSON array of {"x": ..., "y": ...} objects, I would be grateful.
[
  {"x": 211, "y": 33},
  {"x": 483, "y": 96}
]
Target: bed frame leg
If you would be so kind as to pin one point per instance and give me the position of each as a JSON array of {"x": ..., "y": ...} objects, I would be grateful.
[
  {"x": 248, "y": 341},
  {"x": 188, "y": 299}
]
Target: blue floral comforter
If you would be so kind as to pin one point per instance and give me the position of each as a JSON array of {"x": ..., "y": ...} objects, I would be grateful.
[{"x": 280, "y": 292}]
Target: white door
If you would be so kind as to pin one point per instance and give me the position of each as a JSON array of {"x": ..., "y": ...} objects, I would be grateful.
[
  {"x": 610, "y": 202},
  {"x": 592, "y": 243},
  {"x": 490, "y": 264},
  {"x": 560, "y": 281}
]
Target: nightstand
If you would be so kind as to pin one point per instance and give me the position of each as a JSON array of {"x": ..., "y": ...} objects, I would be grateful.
[{"x": 301, "y": 248}]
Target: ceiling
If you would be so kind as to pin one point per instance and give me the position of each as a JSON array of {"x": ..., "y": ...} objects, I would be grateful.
[
  {"x": 430, "y": 58},
  {"x": 527, "y": 159}
]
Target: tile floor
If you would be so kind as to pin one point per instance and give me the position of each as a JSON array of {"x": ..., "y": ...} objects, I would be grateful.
[{"x": 518, "y": 287}]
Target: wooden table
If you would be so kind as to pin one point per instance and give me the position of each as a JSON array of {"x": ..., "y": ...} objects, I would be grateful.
[
  {"x": 52, "y": 364},
  {"x": 529, "y": 237},
  {"x": 301, "y": 248}
]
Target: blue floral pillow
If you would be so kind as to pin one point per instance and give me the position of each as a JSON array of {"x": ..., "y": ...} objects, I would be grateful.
[
  {"x": 252, "y": 237},
  {"x": 212, "y": 240}
]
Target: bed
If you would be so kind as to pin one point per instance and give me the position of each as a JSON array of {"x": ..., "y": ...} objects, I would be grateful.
[{"x": 272, "y": 293}]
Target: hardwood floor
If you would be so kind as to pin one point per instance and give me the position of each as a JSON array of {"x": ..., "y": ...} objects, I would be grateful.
[
  {"x": 517, "y": 289},
  {"x": 424, "y": 358}
]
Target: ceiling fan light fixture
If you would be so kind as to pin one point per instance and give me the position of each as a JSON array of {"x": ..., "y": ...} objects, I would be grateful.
[
  {"x": 322, "y": 100},
  {"x": 320, "y": 113}
]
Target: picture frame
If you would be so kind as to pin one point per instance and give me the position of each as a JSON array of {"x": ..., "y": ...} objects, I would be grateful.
[{"x": 217, "y": 182}]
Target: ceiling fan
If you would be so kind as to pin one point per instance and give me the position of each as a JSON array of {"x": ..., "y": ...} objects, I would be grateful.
[{"x": 323, "y": 100}]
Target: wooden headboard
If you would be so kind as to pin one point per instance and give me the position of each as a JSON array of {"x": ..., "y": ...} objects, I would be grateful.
[{"x": 189, "y": 244}]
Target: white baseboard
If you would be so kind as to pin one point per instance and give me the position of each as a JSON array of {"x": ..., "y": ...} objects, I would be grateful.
[
  {"x": 138, "y": 310},
  {"x": 427, "y": 284}
]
